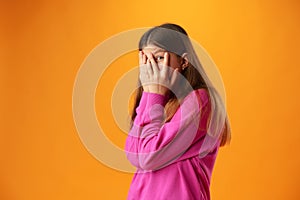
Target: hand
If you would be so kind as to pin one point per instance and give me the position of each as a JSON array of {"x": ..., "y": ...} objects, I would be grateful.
[{"x": 154, "y": 77}]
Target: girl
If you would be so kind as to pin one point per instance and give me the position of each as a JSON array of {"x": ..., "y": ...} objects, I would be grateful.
[{"x": 178, "y": 120}]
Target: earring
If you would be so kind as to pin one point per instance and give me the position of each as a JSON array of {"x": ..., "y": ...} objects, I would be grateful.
[{"x": 183, "y": 67}]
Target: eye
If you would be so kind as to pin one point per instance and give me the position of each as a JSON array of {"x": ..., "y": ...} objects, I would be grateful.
[{"x": 159, "y": 58}]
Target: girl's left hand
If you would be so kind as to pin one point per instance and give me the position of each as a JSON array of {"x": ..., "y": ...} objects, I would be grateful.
[{"x": 155, "y": 77}]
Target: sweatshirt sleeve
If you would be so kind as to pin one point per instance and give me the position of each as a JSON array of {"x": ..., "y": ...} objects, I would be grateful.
[{"x": 153, "y": 144}]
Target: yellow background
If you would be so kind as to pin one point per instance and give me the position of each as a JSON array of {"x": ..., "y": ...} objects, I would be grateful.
[{"x": 255, "y": 44}]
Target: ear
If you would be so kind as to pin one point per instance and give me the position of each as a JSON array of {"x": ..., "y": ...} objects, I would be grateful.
[{"x": 184, "y": 61}]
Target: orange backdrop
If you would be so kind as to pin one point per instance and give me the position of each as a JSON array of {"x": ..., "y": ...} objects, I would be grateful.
[{"x": 255, "y": 44}]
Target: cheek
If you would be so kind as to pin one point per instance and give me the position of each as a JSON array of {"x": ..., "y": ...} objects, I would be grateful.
[{"x": 174, "y": 63}]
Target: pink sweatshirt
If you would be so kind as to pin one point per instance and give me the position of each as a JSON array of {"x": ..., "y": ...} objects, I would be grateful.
[{"x": 175, "y": 159}]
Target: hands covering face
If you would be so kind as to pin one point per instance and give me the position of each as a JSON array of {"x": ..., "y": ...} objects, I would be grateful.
[{"x": 156, "y": 75}]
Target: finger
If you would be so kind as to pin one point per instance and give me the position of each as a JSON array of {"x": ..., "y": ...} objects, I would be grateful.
[
  {"x": 144, "y": 58},
  {"x": 165, "y": 67},
  {"x": 143, "y": 69},
  {"x": 149, "y": 67},
  {"x": 143, "y": 66},
  {"x": 154, "y": 65},
  {"x": 166, "y": 59},
  {"x": 141, "y": 57},
  {"x": 143, "y": 74}
]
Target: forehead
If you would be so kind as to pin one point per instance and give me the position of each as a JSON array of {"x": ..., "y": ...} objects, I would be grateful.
[{"x": 153, "y": 49}]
